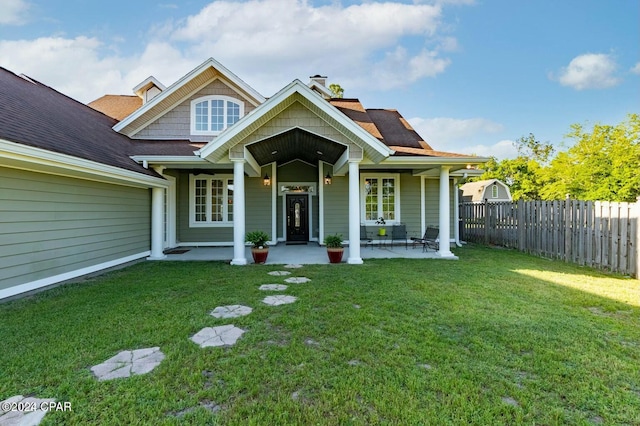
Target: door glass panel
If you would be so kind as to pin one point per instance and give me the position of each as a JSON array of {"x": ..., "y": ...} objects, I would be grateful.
[{"x": 296, "y": 215}]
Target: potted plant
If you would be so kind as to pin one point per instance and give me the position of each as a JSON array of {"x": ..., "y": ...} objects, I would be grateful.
[
  {"x": 382, "y": 231},
  {"x": 259, "y": 247},
  {"x": 334, "y": 247}
]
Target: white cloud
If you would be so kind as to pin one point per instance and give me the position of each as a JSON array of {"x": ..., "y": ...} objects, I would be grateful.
[
  {"x": 464, "y": 136},
  {"x": 12, "y": 12},
  {"x": 266, "y": 42},
  {"x": 331, "y": 40},
  {"x": 589, "y": 71},
  {"x": 636, "y": 69}
]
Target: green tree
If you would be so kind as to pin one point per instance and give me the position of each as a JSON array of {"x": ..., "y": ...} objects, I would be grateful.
[
  {"x": 602, "y": 164},
  {"x": 524, "y": 173},
  {"x": 336, "y": 90}
]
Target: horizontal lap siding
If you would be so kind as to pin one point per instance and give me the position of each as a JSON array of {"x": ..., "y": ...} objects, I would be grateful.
[
  {"x": 410, "y": 203},
  {"x": 51, "y": 225},
  {"x": 258, "y": 210},
  {"x": 336, "y": 207},
  {"x": 258, "y": 204}
]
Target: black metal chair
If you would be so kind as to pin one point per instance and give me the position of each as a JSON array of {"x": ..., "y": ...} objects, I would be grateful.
[
  {"x": 399, "y": 233},
  {"x": 428, "y": 240},
  {"x": 365, "y": 236}
]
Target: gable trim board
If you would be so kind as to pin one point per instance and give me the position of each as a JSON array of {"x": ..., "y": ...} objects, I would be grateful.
[
  {"x": 296, "y": 91},
  {"x": 129, "y": 127}
]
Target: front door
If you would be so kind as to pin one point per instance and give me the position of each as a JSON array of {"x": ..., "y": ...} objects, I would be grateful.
[{"x": 297, "y": 218}]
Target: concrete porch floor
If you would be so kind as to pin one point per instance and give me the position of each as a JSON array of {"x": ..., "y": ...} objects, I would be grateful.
[{"x": 312, "y": 253}]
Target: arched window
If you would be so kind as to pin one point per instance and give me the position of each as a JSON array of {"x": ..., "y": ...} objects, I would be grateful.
[{"x": 212, "y": 114}]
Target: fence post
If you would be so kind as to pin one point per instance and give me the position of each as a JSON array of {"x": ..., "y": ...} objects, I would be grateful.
[
  {"x": 486, "y": 221},
  {"x": 520, "y": 225},
  {"x": 567, "y": 229}
]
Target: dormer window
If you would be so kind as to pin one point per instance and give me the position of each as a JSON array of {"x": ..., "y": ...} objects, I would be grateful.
[{"x": 212, "y": 114}]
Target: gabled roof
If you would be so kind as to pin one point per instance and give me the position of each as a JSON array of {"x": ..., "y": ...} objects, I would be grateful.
[
  {"x": 296, "y": 91},
  {"x": 36, "y": 115},
  {"x": 116, "y": 106},
  {"x": 180, "y": 90},
  {"x": 475, "y": 190},
  {"x": 147, "y": 84}
]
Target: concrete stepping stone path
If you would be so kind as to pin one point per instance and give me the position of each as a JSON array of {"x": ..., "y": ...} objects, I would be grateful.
[
  {"x": 128, "y": 363},
  {"x": 293, "y": 266},
  {"x": 297, "y": 280},
  {"x": 279, "y": 273},
  {"x": 231, "y": 311},
  {"x": 19, "y": 410},
  {"x": 280, "y": 299},
  {"x": 224, "y": 335},
  {"x": 273, "y": 287}
]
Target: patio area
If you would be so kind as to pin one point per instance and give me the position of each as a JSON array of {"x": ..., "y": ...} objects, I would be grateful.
[{"x": 309, "y": 254}]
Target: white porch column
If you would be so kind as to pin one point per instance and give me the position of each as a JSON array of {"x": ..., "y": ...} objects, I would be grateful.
[
  {"x": 354, "y": 213},
  {"x": 238, "y": 213},
  {"x": 444, "y": 214},
  {"x": 157, "y": 223}
]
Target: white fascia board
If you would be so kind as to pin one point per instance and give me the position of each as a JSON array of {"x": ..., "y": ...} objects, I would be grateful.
[
  {"x": 296, "y": 86},
  {"x": 189, "y": 76},
  {"x": 444, "y": 161},
  {"x": 30, "y": 158}
]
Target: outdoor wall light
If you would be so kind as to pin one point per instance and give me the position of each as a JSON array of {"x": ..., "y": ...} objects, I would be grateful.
[
  {"x": 327, "y": 179},
  {"x": 266, "y": 180}
]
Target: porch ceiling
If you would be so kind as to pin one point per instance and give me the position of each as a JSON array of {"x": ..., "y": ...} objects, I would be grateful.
[{"x": 296, "y": 144}]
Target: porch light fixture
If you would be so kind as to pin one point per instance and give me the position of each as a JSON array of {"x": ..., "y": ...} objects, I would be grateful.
[
  {"x": 266, "y": 180},
  {"x": 327, "y": 179}
]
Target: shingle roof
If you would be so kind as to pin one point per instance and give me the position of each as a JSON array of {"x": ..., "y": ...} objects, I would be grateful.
[
  {"x": 34, "y": 114},
  {"x": 116, "y": 106}
]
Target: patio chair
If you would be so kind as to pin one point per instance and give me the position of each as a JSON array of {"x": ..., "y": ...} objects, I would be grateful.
[
  {"x": 365, "y": 236},
  {"x": 428, "y": 240},
  {"x": 399, "y": 233}
]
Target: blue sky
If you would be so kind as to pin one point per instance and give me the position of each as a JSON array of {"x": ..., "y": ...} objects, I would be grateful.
[{"x": 471, "y": 76}]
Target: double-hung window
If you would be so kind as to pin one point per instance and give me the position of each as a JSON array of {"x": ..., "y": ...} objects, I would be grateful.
[
  {"x": 380, "y": 197},
  {"x": 212, "y": 114},
  {"x": 211, "y": 200}
]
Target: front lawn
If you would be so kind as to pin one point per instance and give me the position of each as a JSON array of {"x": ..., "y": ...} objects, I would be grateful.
[{"x": 497, "y": 337}]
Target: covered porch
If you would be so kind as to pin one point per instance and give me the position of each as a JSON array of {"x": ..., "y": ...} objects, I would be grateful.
[{"x": 309, "y": 254}]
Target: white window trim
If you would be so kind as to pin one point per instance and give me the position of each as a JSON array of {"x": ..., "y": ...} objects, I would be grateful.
[
  {"x": 209, "y": 99},
  {"x": 363, "y": 178},
  {"x": 192, "y": 202},
  {"x": 495, "y": 188}
]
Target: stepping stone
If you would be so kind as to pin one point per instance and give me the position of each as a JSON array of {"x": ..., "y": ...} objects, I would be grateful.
[
  {"x": 293, "y": 266},
  {"x": 279, "y": 300},
  {"x": 30, "y": 413},
  {"x": 276, "y": 287},
  {"x": 231, "y": 311},
  {"x": 279, "y": 273},
  {"x": 128, "y": 363},
  {"x": 297, "y": 280},
  {"x": 224, "y": 335}
]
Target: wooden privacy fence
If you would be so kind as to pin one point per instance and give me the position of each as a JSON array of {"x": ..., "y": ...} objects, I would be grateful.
[{"x": 594, "y": 233}]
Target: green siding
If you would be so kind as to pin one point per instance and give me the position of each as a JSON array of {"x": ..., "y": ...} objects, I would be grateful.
[
  {"x": 257, "y": 203},
  {"x": 51, "y": 225},
  {"x": 410, "y": 203},
  {"x": 336, "y": 205}
]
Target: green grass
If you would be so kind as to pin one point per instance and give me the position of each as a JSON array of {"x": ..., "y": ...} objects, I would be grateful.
[{"x": 497, "y": 337}]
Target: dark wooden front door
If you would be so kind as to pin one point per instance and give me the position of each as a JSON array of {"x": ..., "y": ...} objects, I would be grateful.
[{"x": 297, "y": 218}]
